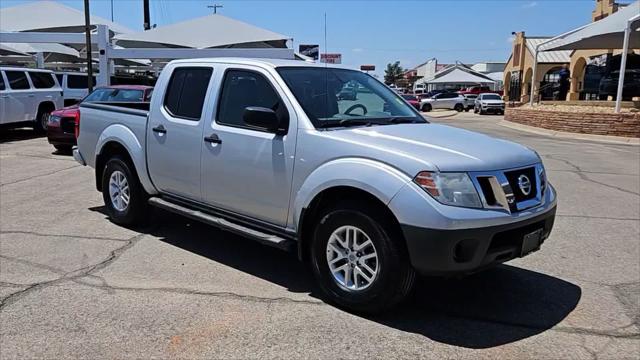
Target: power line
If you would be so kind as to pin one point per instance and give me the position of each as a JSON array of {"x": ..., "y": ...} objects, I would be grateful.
[{"x": 215, "y": 7}]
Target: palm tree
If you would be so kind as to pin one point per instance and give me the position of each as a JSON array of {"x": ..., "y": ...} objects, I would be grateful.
[{"x": 393, "y": 73}]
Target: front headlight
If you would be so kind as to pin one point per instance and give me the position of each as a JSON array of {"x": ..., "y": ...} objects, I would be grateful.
[{"x": 455, "y": 189}]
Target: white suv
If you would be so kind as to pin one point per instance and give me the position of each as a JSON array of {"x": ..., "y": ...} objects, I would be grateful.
[
  {"x": 28, "y": 96},
  {"x": 446, "y": 100}
]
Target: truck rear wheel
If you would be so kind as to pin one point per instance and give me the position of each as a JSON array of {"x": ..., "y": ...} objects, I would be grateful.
[
  {"x": 124, "y": 197},
  {"x": 357, "y": 262},
  {"x": 426, "y": 108}
]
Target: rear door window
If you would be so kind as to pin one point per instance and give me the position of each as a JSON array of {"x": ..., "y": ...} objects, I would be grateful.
[
  {"x": 186, "y": 92},
  {"x": 79, "y": 81},
  {"x": 17, "y": 80},
  {"x": 42, "y": 80}
]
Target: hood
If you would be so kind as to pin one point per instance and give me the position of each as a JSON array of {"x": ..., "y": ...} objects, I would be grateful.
[
  {"x": 66, "y": 110},
  {"x": 445, "y": 148}
]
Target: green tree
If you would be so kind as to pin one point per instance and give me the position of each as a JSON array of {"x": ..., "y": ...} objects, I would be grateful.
[{"x": 393, "y": 73}]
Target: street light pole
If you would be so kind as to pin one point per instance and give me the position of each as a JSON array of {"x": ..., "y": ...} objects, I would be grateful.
[
  {"x": 146, "y": 14},
  {"x": 87, "y": 30}
]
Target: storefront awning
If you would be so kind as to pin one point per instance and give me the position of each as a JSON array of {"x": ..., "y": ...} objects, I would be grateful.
[{"x": 607, "y": 33}]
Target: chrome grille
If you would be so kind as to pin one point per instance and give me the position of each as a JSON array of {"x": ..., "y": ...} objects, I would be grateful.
[{"x": 507, "y": 191}]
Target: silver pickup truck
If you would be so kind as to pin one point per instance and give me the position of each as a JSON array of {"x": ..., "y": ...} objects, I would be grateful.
[{"x": 365, "y": 190}]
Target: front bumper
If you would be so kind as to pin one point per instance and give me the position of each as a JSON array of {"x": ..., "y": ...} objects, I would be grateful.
[
  {"x": 493, "y": 109},
  {"x": 460, "y": 251}
]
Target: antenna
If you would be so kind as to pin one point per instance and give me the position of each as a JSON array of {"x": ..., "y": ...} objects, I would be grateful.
[{"x": 325, "y": 40}]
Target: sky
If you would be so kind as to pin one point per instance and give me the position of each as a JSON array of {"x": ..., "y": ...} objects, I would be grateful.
[{"x": 376, "y": 32}]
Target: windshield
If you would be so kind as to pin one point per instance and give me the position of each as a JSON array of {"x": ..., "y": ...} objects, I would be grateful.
[
  {"x": 115, "y": 95},
  {"x": 339, "y": 97},
  {"x": 491, "y": 97}
]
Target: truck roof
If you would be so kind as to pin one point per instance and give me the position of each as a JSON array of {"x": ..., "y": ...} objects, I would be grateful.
[{"x": 274, "y": 63}]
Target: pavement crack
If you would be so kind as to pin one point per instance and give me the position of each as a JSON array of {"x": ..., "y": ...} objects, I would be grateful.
[
  {"x": 73, "y": 275},
  {"x": 223, "y": 294},
  {"x": 40, "y": 175},
  {"x": 596, "y": 217},
  {"x": 62, "y": 235},
  {"x": 583, "y": 175}
]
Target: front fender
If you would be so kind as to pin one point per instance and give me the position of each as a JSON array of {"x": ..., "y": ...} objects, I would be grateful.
[
  {"x": 125, "y": 137},
  {"x": 379, "y": 179}
]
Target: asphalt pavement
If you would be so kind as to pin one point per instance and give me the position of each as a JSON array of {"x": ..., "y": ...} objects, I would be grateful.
[{"x": 74, "y": 285}]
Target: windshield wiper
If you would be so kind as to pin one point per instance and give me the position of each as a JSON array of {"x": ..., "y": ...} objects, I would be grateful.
[
  {"x": 404, "y": 120},
  {"x": 348, "y": 123}
]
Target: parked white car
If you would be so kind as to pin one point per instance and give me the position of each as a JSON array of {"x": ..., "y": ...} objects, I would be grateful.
[
  {"x": 28, "y": 96},
  {"x": 446, "y": 100},
  {"x": 74, "y": 86},
  {"x": 489, "y": 103}
]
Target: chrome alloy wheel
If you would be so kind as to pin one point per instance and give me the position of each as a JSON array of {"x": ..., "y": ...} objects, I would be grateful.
[
  {"x": 119, "y": 191},
  {"x": 352, "y": 258}
]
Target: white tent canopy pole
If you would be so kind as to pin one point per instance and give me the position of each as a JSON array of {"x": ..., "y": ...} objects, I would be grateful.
[
  {"x": 535, "y": 60},
  {"x": 623, "y": 61}
]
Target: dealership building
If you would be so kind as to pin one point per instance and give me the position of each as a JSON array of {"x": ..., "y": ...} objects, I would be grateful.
[{"x": 593, "y": 74}]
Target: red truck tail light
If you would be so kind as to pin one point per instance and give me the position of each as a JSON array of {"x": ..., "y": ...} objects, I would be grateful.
[{"x": 77, "y": 124}]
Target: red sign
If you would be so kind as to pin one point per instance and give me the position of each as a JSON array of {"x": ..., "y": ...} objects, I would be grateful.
[{"x": 331, "y": 58}]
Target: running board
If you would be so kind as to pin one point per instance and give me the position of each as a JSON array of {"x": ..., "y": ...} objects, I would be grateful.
[{"x": 268, "y": 239}]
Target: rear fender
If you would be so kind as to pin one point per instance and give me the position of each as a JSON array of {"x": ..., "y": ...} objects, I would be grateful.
[{"x": 125, "y": 137}]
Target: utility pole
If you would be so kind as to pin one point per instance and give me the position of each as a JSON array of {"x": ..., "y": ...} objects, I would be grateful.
[
  {"x": 147, "y": 15},
  {"x": 215, "y": 7},
  {"x": 87, "y": 29}
]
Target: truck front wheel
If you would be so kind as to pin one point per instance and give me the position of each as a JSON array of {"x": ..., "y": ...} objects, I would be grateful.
[
  {"x": 124, "y": 198},
  {"x": 357, "y": 262}
]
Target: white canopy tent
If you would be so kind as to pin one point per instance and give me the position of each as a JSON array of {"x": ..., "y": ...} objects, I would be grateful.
[
  {"x": 212, "y": 31},
  {"x": 458, "y": 76},
  {"x": 50, "y": 16},
  {"x": 618, "y": 30}
]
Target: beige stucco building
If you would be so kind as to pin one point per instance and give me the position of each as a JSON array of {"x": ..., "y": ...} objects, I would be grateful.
[{"x": 518, "y": 71}]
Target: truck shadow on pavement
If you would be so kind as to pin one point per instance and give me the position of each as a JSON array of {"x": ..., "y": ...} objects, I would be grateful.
[
  {"x": 495, "y": 307},
  {"x": 8, "y": 135}
]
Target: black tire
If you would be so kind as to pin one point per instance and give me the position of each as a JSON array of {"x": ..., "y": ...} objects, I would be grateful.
[
  {"x": 40, "y": 125},
  {"x": 475, "y": 110},
  {"x": 137, "y": 207},
  {"x": 458, "y": 107},
  {"x": 481, "y": 112},
  {"x": 395, "y": 277},
  {"x": 63, "y": 148},
  {"x": 426, "y": 108}
]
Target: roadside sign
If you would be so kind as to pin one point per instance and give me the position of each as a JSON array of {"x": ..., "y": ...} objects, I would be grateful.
[
  {"x": 311, "y": 51},
  {"x": 331, "y": 58},
  {"x": 368, "y": 67}
]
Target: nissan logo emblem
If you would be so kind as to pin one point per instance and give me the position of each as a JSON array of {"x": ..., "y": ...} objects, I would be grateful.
[{"x": 524, "y": 184}]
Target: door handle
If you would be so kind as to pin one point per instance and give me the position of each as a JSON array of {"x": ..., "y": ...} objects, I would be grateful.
[
  {"x": 213, "y": 138},
  {"x": 160, "y": 129}
]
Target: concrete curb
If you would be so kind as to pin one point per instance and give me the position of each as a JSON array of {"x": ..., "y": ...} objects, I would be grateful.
[
  {"x": 447, "y": 114},
  {"x": 568, "y": 135}
]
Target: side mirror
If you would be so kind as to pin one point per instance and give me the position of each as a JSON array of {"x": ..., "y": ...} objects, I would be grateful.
[{"x": 263, "y": 118}]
